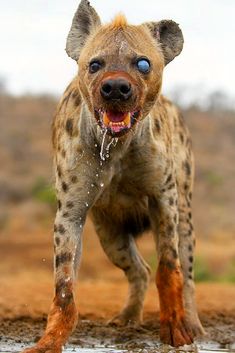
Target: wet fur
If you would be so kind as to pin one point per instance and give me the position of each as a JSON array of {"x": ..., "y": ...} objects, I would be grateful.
[{"x": 145, "y": 182}]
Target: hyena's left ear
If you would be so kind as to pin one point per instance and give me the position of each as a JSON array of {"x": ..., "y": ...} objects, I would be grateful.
[
  {"x": 84, "y": 22},
  {"x": 169, "y": 35}
]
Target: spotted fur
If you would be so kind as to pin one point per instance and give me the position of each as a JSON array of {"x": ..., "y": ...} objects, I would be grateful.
[{"x": 140, "y": 180}]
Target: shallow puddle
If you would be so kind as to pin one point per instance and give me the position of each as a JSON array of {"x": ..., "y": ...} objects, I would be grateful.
[{"x": 201, "y": 347}]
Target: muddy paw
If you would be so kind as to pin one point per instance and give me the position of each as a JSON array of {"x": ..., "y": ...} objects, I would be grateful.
[
  {"x": 126, "y": 318},
  {"x": 176, "y": 333}
]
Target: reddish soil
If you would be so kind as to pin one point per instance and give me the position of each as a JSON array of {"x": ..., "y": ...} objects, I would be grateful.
[{"x": 27, "y": 289}]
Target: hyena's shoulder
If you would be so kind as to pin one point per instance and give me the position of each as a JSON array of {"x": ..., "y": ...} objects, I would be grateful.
[
  {"x": 168, "y": 122},
  {"x": 65, "y": 123},
  {"x": 170, "y": 126}
]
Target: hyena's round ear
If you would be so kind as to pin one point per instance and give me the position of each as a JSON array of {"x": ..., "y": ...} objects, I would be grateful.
[
  {"x": 170, "y": 37},
  {"x": 84, "y": 22}
]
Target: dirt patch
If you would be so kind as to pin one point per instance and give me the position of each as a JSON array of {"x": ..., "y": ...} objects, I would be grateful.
[
  {"x": 26, "y": 293},
  {"x": 91, "y": 333},
  {"x": 98, "y": 302}
]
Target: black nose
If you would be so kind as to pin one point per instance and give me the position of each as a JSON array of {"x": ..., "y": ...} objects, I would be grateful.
[{"x": 116, "y": 89}]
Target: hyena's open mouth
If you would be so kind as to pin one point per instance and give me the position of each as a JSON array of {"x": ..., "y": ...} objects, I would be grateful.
[{"x": 116, "y": 123}]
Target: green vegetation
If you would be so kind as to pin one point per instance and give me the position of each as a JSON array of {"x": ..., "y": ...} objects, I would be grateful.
[
  {"x": 203, "y": 270},
  {"x": 213, "y": 178},
  {"x": 229, "y": 274},
  {"x": 44, "y": 192}
]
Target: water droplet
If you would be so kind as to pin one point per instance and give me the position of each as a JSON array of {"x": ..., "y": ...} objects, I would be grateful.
[
  {"x": 63, "y": 295},
  {"x": 97, "y": 175},
  {"x": 86, "y": 203},
  {"x": 115, "y": 141},
  {"x": 109, "y": 145},
  {"x": 92, "y": 185},
  {"x": 102, "y": 185},
  {"x": 96, "y": 145},
  {"x": 102, "y": 157},
  {"x": 43, "y": 260},
  {"x": 80, "y": 226},
  {"x": 79, "y": 157}
]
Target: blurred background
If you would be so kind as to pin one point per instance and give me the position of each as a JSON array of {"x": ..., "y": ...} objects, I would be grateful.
[{"x": 35, "y": 70}]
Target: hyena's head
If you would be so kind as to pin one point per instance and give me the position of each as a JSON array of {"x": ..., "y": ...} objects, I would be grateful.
[{"x": 120, "y": 65}]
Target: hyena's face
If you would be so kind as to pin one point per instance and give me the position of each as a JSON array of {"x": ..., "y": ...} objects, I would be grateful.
[
  {"x": 120, "y": 66},
  {"x": 120, "y": 77}
]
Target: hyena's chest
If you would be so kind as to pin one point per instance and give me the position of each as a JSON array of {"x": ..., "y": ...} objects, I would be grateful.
[
  {"x": 125, "y": 206},
  {"x": 128, "y": 189}
]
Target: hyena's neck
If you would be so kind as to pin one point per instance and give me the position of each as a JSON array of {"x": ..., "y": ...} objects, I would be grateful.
[{"x": 93, "y": 138}]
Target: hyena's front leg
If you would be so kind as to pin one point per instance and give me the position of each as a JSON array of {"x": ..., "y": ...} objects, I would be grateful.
[
  {"x": 74, "y": 200},
  {"x": 174, "y": 329},
  {"x": 62, "y": 317}
]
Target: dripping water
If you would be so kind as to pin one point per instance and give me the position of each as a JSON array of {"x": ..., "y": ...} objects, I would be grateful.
[{"x": 104, "y": 151}]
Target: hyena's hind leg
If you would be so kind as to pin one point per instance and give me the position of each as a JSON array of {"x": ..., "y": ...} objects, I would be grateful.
[
  {"x": 121, "y": 249},
  {"x": 186, "y": 252}
]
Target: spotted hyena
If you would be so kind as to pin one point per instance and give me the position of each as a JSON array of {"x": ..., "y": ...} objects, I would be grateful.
[{"x": 123, "y": 153}]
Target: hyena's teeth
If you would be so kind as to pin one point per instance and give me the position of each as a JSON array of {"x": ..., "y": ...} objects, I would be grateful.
[
  {"x": 106, "y": 121},
  {"x": 121, "y": 123}
]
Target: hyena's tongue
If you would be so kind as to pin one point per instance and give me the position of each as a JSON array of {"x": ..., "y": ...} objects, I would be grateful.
[{"x": 117, "y": 121}]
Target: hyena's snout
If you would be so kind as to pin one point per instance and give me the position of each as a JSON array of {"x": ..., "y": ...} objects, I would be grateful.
[
  {"x": 113, "y": 89},
  {"x": 118, "y": 110}
]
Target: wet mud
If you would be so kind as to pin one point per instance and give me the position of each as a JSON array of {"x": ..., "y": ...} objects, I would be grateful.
[
  {"x": 94, "y": 335},
  {"x": 26, "y": 293}
]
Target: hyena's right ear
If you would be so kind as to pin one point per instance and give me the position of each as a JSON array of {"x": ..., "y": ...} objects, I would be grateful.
[
  {"x": 84, "y": 22},
  {"x": 170, "y": 37}
]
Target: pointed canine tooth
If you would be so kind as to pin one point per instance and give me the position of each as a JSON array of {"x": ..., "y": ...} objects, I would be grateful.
[
  {"x": 127, "y": 120},
  {"x": 106, "y": 119}
]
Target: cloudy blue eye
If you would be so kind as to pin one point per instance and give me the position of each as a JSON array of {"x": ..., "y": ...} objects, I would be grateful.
[{"x": 143, "y": 65}]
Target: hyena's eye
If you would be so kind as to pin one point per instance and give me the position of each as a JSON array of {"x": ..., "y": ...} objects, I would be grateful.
[
  {"x": 94, "y": 66},
  {"x": 143, "y": 65}
]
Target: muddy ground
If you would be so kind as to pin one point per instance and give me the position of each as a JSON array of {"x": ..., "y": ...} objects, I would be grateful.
[
  {"x": 98, "y": 301},
  {"x": 93, "y": 331},
  {"x": 26, "y": 292}
]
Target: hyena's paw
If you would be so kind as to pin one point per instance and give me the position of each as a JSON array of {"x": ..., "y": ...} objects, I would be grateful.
[
  {"x": 126, "y": 317},
  {"x": 194, "y": 321},
  {"x": 176, "y": 332},
  {"x": 197, "y": 328}
]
